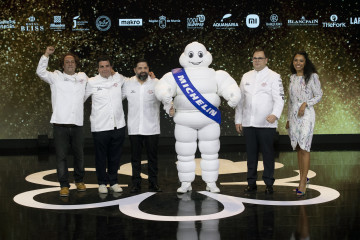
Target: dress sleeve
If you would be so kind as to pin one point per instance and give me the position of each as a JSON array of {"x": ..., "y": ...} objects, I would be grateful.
[{"x": 315, "y": 87}]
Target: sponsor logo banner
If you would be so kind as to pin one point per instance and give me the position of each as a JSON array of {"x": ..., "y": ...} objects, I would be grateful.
[
  {"x": 225, "y": 23},
  {"x": 79, "y": 24},
  {"x": 127, "y": 22},
  {"x": 333, "y": 23},
  {"x": 163, "y": 21},
  {"x": 103, "y": 23},
  {"x": 32, "y": 25},
  {"x": 252, "y": 21},
  {"x": 196, "y": 22},
  {"x": 57, "y": 26},
  {"x": 7, "y": 24},
  {"x": 274, "y": 22},
  {"x": 303, "y": 22}
]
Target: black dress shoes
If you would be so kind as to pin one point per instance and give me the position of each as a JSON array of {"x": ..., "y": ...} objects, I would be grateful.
[
  {"x": 154, "y": 188},
  {"x": 269, "y": 189},
  {"x": 135, "y": 188},
  {"x": 250, "y": 188}
]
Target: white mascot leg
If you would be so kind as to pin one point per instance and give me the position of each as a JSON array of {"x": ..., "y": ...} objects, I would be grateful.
[
  {"x": 209, "y": 146},
  {"x": 185, "y": 148}
]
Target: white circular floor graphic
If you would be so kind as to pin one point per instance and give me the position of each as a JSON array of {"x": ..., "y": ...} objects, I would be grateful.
[{"x": 130, "y": 205}]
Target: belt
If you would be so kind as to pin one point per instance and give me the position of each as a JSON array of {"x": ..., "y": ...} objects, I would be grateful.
[{"x": 65, "y": 125}]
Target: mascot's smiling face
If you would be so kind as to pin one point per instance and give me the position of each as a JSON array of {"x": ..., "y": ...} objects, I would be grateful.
[{"x": 195, "y": 55}]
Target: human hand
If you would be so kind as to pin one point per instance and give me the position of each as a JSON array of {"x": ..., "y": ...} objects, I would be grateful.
[
  {"x": 302, "y": 109},
  {"x": 287, "y": 125},
  {"x": 271, "y": 118},
  {"x": 172, "y": 111},
  {"x": 238, "y": 128},
  {"x": 49, "y": 50},
  {"x": 152, "y": 75}
]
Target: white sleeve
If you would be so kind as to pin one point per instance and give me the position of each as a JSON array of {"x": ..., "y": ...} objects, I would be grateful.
[
  {"x": 41, "y": 71},
  {"x": 239, "y": 107},
  {"x": 88, "y": 90},
  {"x": 277, "y": 91},
  {"x": 315, "y": 86}
]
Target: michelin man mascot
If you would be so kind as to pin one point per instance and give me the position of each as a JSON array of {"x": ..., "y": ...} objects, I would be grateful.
[{"x": 196, "y": 90}]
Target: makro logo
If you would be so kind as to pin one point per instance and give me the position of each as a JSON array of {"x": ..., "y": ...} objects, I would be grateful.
[
  {"x": 136, "y": 22},
  {"x": 103, "y": 23},
  {"x": 32, "y": 25},
  {"x": 333, "y": 23},
  {"x": 196, "y": 22},
  {"x": 252, "y": 21}
]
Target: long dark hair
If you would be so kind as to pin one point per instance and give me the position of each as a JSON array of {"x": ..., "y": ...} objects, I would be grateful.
[{"x": 309, "y": 67}]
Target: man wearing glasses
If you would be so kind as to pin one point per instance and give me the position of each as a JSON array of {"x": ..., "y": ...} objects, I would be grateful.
[{"x": 261, "y": 104}]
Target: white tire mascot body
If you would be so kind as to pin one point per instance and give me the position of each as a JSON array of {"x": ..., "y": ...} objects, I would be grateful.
[{"x": 191, "y": 122}]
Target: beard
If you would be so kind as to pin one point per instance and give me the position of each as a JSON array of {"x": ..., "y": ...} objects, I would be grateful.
[{"x": 142, "y": 76}]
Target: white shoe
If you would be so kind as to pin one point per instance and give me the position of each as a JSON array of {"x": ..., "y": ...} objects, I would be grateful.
[
  {"x": 116, "y": 188},
  {"x": 103, "y": 188},
  {"x": 185, "y": 187},
  {"x": 212, "y": 187}
]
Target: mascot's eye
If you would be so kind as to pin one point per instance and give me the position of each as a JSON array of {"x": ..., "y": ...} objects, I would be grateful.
[
  {"x": 191, "y": 54},
  {"x": 200, "y": 54}
]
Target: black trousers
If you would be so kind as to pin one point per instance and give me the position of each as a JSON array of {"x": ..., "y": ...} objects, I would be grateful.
[
  {"x": 68, "y": 137},
  {"x": 108, "y": 150},
  {"x": 151, "y": 145},
  {"x": 260, "y": 139}
]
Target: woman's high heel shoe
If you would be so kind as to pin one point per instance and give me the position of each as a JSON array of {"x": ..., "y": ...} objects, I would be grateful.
[
  {"x": 307, "y": 185},
  {"x": 300, "y": 193}
]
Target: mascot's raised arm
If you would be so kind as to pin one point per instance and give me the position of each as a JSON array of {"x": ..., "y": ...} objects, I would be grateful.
[{"x": 195, "y": 92}]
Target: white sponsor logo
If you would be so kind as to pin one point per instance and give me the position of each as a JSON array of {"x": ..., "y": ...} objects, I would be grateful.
[
  {"x": 196, "y": 22},
  {"x": 130, "y": 22},
  {"x": 163, "y": 21},
  {"x": 79, "y": 25},
  {"x": 274, "y": 22},
  {"x": 57, "y": 26},
  {"x": 103, "y": 23},
  {"x": 225, "y": 24},
  {"x": 333, "y": 23},
  {"x": 303, "y": 22},
  {"x": 6, "y": 24},
  {"x": 355, "y": 20},
  {"x": 252, "y": 21},
  {"x": 32, "y": 25}
]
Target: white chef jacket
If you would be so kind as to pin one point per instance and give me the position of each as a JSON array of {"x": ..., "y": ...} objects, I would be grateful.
[
  {"x": 67, "y": 94},
  {"x": 262, "y": 94},
  {"x": 107, "y": 110},
  {"x": 143, "y": 107}
]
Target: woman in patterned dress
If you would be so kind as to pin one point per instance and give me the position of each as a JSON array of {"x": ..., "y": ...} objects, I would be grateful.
[{"x": 304, "y": 92}]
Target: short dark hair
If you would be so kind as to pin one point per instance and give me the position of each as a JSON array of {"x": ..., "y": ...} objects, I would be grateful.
[
  {"x": 261, "y": 49},
  {"x": 77, "y": 60},
  {"x": 309, "y": 67},
  {"x": 141, "y": 60},
  {"x": 104, "y": 58}
]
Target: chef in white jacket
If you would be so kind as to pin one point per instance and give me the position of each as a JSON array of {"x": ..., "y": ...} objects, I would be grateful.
[
  {"x": 107, "y": 123},
  {"x": 261, "y": 104},
  {"x": 67, "y": 93}
]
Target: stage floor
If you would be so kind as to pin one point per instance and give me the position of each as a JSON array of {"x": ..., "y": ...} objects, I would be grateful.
[{"x": 31, "y": 208}]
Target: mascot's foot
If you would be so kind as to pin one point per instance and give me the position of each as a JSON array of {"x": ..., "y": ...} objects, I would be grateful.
[
  {"x": 185, "y": 187},
  {"x": 212, "y": 187}
]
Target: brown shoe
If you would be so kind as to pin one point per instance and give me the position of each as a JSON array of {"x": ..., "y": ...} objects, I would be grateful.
[
  {"x": 80, "y": 186},
  {"x": 64, "y": 192}
]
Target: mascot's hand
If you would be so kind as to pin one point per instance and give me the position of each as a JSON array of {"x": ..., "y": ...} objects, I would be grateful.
[
  {"x": 232, "y": 104},
  {"x": 167, "y": 99}
]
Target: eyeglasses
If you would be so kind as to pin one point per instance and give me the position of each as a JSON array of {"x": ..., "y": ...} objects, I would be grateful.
[{"x": 257, "y": 59}]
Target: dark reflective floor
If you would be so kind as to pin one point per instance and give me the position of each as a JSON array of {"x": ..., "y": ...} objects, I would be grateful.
[{"x": 336, "y": 219}]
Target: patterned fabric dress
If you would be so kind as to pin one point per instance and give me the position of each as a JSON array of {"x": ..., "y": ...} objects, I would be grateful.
[{"x": 302, "y": 128}]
